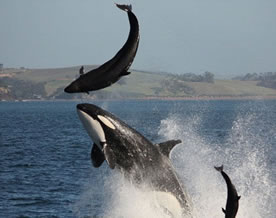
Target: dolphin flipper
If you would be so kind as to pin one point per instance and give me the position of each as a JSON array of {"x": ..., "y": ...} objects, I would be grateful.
[
  {"x": 125, "y": 73},
  {"x": 166, "y": 147},
  {"x": 223, "y": 210},
  {"x": 97, "y": 156},
  {"x": 109, "y": 156}
]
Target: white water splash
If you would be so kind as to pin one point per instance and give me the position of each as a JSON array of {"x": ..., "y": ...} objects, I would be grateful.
[
  {"x": 126, "y": 200},
  {"x": 243, "y": 156}
]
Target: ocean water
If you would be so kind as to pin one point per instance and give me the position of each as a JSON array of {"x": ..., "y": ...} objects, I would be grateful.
[{"x": 45, "y": 167}]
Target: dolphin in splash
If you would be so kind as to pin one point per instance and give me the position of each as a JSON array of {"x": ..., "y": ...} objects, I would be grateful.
[{"x": 232, "y": 203}]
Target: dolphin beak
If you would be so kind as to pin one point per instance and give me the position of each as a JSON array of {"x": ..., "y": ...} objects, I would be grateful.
[
  {"x": 68, "y": 89},
  {"x": 72, "y": 88}
]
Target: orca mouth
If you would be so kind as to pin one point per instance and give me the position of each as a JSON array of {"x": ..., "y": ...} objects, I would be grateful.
[
  {"x": 97, "y": 114},
  {"x": 91, "y": 124},
  {"x": 90, "y": 109},
  {"x": 81, "y": 107}
]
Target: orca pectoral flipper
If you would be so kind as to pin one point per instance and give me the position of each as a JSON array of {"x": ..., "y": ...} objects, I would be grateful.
[
  {"x": 109, "y": 156},
  {"x": 166, "y": 147},
  {"x": 97, "y": 156}
]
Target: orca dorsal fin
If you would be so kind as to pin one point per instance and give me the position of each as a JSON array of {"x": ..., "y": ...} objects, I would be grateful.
[
  {"x": 239, "y": 197},
  {"x": 223, "y": 210},
  {"x": 166, "y": 147},
  {"x": 97, "y": 156},
  {"x": 109, "y": 156}
]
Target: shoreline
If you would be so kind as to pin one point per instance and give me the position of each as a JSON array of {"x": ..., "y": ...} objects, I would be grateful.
[{"x": 183, "y": 98}]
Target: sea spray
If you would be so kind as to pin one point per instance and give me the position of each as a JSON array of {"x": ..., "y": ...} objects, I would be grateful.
[
  {"x": 193, "y": 164},
  {"x": 249, "y": 148},
  {"x": 244, "y": 152},
  {"x": 244, "y": 156},
  {"x": 128, "y": 200}
]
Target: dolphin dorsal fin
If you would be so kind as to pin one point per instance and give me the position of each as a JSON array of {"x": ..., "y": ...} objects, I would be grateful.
[
  {"x": 166, "y": 147},
  {"x": 97, "y": 156}
]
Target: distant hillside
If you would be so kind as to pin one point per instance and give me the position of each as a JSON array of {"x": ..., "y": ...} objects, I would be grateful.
[
  {"x": 49, "y": 84},
  {"x": 267, "y": 79}
]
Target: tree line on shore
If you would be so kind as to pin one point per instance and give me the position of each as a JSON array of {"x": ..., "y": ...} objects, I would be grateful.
[
  {"x": 267, "y": 79},
  {"x": 12, "y": 88},
  {"x": 206, "y": 77}
]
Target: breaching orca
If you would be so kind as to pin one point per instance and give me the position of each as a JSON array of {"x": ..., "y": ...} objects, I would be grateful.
[
  {"x": 136, "y": 157},
  {"x": 111, "y": 71},
  {"x": 232, "y": 203}
]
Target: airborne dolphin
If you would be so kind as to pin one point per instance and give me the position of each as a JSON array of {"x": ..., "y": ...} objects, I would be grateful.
[
  {"x": 136, "y": 157},
  {"x": 111, "y": 71},
  {"x": 232, "y": 204}
]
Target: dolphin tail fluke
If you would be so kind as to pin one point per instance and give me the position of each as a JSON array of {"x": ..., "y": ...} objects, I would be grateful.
[
  {"x": 126, "y": 8},
  {"x": 220, "y": 169}
]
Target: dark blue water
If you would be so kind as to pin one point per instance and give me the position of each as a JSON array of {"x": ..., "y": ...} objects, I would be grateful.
[{"x": 45, "y": 170}]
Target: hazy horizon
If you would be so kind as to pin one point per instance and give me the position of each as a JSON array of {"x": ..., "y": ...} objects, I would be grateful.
[{"x": 227, "y": 38}]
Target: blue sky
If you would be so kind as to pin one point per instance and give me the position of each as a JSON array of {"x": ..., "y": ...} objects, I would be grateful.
[{"x": 226, "y": 37}]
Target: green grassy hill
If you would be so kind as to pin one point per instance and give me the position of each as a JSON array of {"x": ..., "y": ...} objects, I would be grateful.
[{"x": 137, "y": 85}]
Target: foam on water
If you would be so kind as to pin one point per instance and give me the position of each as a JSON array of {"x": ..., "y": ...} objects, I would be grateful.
[
  {"x": 245, "y": 158},
  {"x": 126, "y": 200}
]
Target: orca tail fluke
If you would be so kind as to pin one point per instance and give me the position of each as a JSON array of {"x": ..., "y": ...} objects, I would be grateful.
[
  {"x": 220, "y": 169},
  {"x": 126, "y": 8}
]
